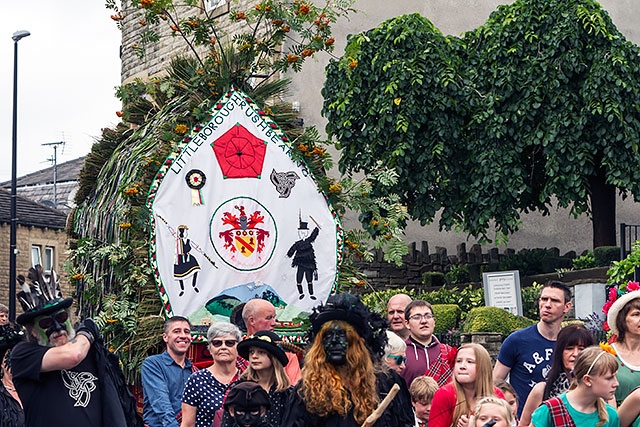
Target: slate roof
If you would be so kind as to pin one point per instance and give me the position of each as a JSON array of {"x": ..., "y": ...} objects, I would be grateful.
[
  {"x": 30, "y": 213},
  {"x": 38, "y": 186},
  {"x": 67, "y": 171}
]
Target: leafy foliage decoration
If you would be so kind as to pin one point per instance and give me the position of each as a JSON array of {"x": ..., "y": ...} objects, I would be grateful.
[{"x": 109, "y": 263}]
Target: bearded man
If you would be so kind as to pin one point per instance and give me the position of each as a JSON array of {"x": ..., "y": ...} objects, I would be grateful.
[{"x": 59, "y": 373}]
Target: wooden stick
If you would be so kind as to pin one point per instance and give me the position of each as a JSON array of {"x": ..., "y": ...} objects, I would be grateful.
[{"x": 371, "y": 419}]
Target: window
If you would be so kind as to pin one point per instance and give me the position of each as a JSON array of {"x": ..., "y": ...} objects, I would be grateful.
[
  {"x": 210, "y": 5},
  {"x": 48, "y": 259},
  {"x": 47, "y": 262},
  {"x": 36, "y": 256}
]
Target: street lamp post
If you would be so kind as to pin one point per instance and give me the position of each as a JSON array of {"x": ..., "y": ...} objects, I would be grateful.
[{"x": 17, "y": 36}]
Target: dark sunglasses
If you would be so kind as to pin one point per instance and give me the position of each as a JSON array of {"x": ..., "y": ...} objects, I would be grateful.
[
  {"x": 227, "y": 343},
  {"x": 399, "y": 359},
  {"x": 47, "y": 322}
]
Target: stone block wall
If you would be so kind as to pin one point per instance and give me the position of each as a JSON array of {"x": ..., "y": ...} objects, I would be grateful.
[
  {"x": 490, "y": 341},
  {"x": 25, "y": 238},
  {"x": 419, "y": 260},
  {"x": 158, "y": 55}
]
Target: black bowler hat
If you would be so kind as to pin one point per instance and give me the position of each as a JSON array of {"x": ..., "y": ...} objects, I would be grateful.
[
  {"x": 266, "y": 340},
  {"x": 40, "y": 295}
]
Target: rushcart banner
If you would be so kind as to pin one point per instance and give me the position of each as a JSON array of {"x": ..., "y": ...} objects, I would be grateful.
[{"x": 234, "y": 218}]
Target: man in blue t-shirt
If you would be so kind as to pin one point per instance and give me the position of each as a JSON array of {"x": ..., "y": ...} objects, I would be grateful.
[{"x": 525, "y": 356}]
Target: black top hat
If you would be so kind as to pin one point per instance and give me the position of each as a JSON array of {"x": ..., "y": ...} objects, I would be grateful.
[
  {"x": 247, "y": 394},
  {"x": 348, "y": 308},
  {"x": 267, "y": 341},
  {"x": 40, "y": 295}
]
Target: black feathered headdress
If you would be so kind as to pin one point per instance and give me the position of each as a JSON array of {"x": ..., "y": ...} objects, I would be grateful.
[
  {"x": 10, "y": 335},
  {"x": 40, "y": 295},
  {"x": 348, "y": 308}
]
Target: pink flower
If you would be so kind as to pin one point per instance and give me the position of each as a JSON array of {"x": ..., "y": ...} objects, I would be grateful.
[
  {"x": 633, "y": 286},
  {"x": 613, "y": 294},
  {"x": 605, "y": 326},
  {"x": 607, "y": 305}
]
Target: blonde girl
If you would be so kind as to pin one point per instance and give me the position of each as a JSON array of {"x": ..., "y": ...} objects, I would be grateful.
[
  {"x": 492, "y": 408},
  {"x": 584, "y": 404},
  {"x": 472, "y": 380}
]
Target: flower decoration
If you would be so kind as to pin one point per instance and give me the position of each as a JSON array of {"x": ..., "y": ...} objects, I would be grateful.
[
  {"x": 613, "y": 295},
  {"x": 181, "y": 129},
  {"x": 608, "y": 348}
]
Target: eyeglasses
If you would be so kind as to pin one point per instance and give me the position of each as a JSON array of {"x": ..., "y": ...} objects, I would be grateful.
[
  {"x": 227, "y": 343},
  {"x": 47, "y": 322},
  {"x": 421, "y": 316},
  {"x": 399, "y": 359}
]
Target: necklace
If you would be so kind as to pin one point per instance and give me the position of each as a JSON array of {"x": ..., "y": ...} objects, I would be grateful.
[{"x": 8, "y": 387}]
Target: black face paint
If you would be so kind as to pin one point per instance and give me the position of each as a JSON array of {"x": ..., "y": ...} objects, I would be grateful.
[
  {"x": 55, "y": 328},
  {"x": 335, "y": 345},
  {"x": 54, "y": 323},
  {"x": 247, "y": 417}
]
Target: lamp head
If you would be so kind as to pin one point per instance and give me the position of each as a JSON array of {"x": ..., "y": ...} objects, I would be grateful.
[{"x": 20, "y": 35}]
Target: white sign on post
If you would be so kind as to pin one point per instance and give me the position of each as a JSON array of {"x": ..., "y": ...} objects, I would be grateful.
[{"x": 502, "y": 289}]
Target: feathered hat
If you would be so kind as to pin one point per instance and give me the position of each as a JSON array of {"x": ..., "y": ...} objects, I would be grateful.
[
  {"x": 247, "y": 394},
  {"x": 10, "y": 335},
  {"x": 40, "y": 295},
  {"x": 348, "y": 308}
]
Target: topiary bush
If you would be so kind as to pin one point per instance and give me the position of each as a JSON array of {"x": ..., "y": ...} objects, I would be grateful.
[
  {"x": 447, "y": 317},
  {"x": 465, "y": 298},
  {"x": 494, "y": 319},
  {"x": 587, "y": 260}
]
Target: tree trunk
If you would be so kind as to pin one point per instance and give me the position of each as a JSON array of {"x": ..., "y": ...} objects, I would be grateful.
[{"x": 603, "y": 211}]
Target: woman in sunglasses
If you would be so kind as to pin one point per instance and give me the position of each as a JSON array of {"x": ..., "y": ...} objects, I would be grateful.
[
  {"x": 395, "y": 352},
  {"x": 205, "y": 390}
]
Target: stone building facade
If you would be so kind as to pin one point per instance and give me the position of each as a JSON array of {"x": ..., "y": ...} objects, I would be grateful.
[
  {"x": 40, "y": 238},
  {"x": 559, "y": 229}
]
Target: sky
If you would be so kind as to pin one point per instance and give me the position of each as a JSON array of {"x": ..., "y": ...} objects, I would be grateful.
[{"x": 68, "y": 69}]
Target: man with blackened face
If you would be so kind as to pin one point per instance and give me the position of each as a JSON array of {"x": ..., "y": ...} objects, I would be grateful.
[
  {"x": 335, "y": 345},
  {"x": 247, "y": 404},
  {"x": 56, "y": 371}
]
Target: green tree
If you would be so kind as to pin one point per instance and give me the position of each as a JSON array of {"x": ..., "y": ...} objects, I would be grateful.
[{"x": 541, "y": 103}]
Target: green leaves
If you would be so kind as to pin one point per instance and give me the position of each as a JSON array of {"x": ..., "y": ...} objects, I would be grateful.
[{"x": 482, "y": 128}]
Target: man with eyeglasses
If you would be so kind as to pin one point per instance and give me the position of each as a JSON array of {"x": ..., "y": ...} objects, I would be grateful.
[
  {"x": 164, "y": 375},
  {"x": 425, "y": 354},
  {"x": 59, "y": 373}
]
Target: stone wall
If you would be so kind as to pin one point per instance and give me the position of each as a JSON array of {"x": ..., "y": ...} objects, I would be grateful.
[
  {"x": 25, "y": 238},
  {"x": 490, "y": 341},
  {"x": 419, "y": 261},
  {"x": 158, "y": 55}
]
